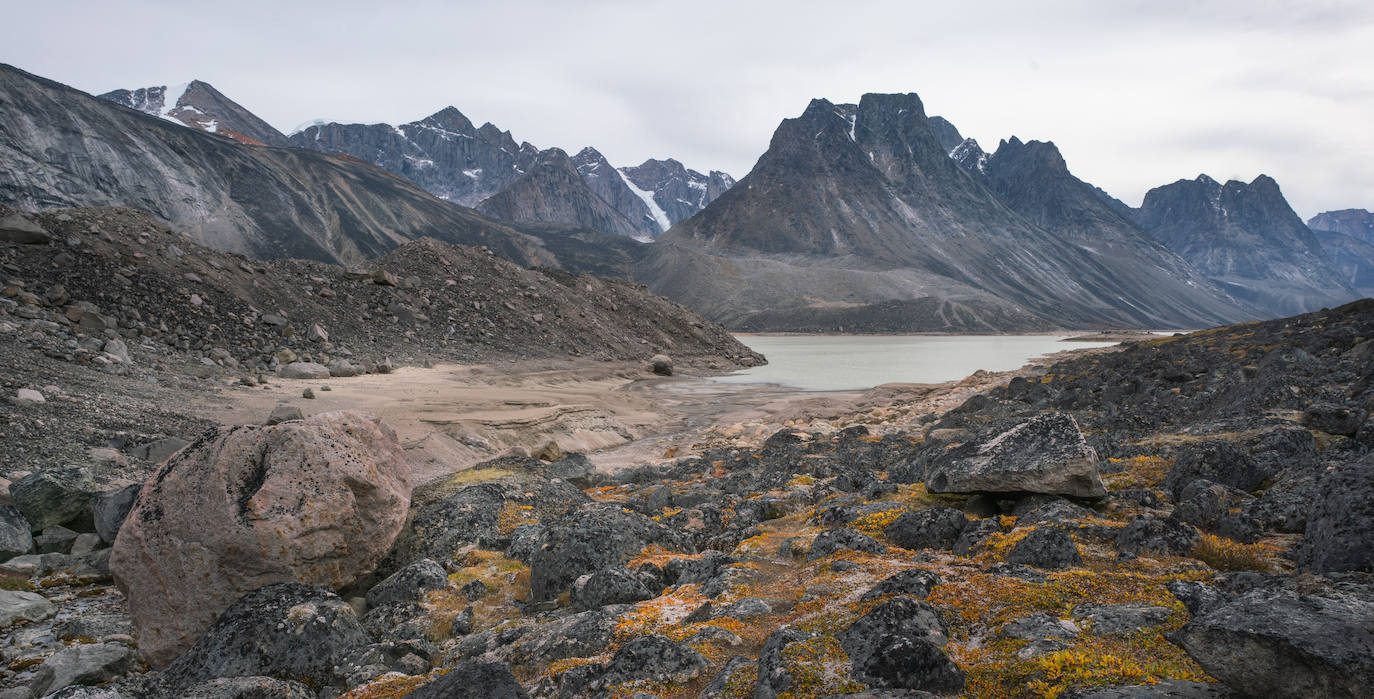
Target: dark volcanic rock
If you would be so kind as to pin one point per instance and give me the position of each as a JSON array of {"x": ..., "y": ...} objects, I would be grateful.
[
  {"x": 1047, "y": 454},
  {"x": 832, "y": 540},
  {"x": 1280, "y": 644},
  {"x": 775, "y": 676},
  {"x": 1046, "y": 547},
  {"x": 474, "y": 679},
  {"x": 1335, "y": 419},
  {"x": 915, "y": 582},
  {"x": 286, "y": 631},
  {"x": 408, "y": 584},
  {"x": 592, "y": 537},
  {"x": 1219, "y": 461},
  {"x": 897, "y": 645},
  {"x": 929, "y": 528},
  {"x": 1147, "y": 534},
  {"x": 1340, "y": 527},
  {"x": 614, "y": 585}
]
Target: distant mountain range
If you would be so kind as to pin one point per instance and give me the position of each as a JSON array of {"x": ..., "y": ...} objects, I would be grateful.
[{"x": 859, "y": 217}]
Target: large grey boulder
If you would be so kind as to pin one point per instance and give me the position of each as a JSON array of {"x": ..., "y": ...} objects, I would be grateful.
[
  {"x": 647, "y": 658},
  {"x": 285, "y": 631},
  {"x": 53, "y": 496},
  {"x": 408, "y": 584},
  {"x": 86, "y": 664},
  {"x": 1046, "y": 454},
  {"x": 1277, "y": 643},
  {"x": 17, "y": 229},
  {"x": 16, "y": 536},
  {"x": 110, "y": 508},
  {"x": 304, "y": 370},
  {"x": 1340, "y": 525},
  {"x": 317, "y": 501},
  {"x": 29, "y": 606}
]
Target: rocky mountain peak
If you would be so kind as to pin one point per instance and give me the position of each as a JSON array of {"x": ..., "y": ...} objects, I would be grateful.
[
  {"x": 1038, "y": 154},
  {"x": 449, "y": 119},
  {"x": 552, "y": 191},
  {"x": 1356, "y": 223},
  {"x": 970, "y": 156},
  {"x": 198, "y": 105},
  {"x": 945, "y": 133}
]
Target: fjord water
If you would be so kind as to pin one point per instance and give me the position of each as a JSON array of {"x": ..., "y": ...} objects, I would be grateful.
[{"x": 854, "y": 362}]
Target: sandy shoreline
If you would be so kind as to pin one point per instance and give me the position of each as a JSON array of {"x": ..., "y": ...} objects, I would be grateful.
[{"x": 451, "y": 417}]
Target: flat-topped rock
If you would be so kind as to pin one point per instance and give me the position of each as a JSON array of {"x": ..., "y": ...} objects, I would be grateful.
[{"x": 1046, "y": 454}]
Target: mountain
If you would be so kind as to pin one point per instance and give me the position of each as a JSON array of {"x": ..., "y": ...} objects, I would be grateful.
[
  {"x": 450, "y": 158},
  {"x": 946, "y": 134},
  {"x": 1033, "y": 179},
  {"x": 675, "y": 193},
  {"x": 1246, "y": 238},
  {"x": 443, "y": 153},
  {"x": 1356, "y": 223},
  {"x": 552, "y": 190},
  {"x": 200, "y": 106},
  {"x": 1352, "y": 258},
  {"x": 635, "y": 204},
  {"x": 856, "y": 207},
  {"x": 61, "y": 147}
]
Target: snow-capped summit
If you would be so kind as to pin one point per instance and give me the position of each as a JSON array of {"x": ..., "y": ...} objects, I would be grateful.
[{"x": 198, "y": 105}]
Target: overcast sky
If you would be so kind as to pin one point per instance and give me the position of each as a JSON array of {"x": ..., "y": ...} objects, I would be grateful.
[{"x": 1135, "y": 93}]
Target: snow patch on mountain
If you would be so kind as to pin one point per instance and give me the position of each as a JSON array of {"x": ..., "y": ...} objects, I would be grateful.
[{"x": 660, "y": 217}]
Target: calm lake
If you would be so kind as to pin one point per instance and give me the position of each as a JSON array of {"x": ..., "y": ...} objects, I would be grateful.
[{"x": 850, "y": 362}]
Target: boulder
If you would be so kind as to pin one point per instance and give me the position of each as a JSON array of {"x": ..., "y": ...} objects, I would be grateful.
[
  {"x": 248, "y": 688},
  {"x": 661, "y": 364},
  {"x": 29, "y": 606},
  {"x": 614, "y": 585},
  {"x": 53, "y": 496},
  {"x": 775, "y": 673},
  {"x": 832, "y": 540},
  {"x": 28, "y": 396},
  {"x": 1340, "y": 525},
  {"x": 285, "y": 631},
  {"x": 86, "y": 664},
  {"x": 1277, "y": 643},
  {"x": 739, "y": 671},
  {"x": 16, "y": 536},
  {"x": 1149, "y": 534},
  {"x": 574, "y": 468},
  {"x": 408, "y": 584},
  {"x": 1333, "y": 419},
  {"x": 110, "y": 508},
  {"x": 647, "y": 658},
  {"x": 158, "y": 452},
  {"x": 284, "y": 413},
  {"x": 1046, "y": 454},
  {"x": 304, "y": 370},
  {"x": 17, "y": 229},
  {"x": 317, "y": 501},
  {"x": 915, "y": 582},
  {"x": 1121, "y": 619},
  {"x": 1046, "y": 547},
  {"x": 343, "y": 368},
  {"x": 55, "y": 539},
  {"x": 592, "y": 537},
  {"x": 897, "y": 646},
  {"x": 1163, "y": 689},
  {"x": 1219, "y": 461},
  {"x": 472, "y": 678},
  {"x": 1040, "y": 625},
  {"x": 929, "y": 528}
]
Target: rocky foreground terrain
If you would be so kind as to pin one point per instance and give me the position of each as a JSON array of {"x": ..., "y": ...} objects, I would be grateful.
[{"x": 1189, "y": 516}]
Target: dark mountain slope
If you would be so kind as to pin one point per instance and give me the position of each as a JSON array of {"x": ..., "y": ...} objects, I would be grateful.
[
  {"x": 1356, "y": 223},
  {"x": 867, "y": 193},
  {"x": 1246, "y": 238},
  {"x": 62, "y": 147},
  {"x": 552, "y": 191}
]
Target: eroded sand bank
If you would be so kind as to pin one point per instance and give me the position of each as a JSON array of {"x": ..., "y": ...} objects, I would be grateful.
[{"x": 450, "y": 417}]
